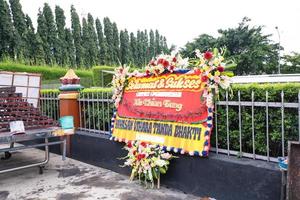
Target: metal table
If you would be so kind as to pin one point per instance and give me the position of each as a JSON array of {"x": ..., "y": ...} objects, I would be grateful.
[{"x": 30, "y": 135}]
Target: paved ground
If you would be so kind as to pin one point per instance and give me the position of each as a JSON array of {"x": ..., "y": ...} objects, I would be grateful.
[{"x": 72, "y": 180}]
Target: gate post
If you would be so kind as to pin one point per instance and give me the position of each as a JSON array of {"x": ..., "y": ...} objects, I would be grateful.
[{"x": 68, "y": 100}]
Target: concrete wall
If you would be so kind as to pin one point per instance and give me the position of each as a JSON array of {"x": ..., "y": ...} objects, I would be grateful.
[{"x": 219, "y": 176}]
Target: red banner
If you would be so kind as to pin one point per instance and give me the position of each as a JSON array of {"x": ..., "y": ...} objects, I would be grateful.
[{"x": 170, "y": 97}]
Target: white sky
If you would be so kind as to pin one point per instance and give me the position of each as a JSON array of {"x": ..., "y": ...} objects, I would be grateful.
[{"x": 183, "y": 20}]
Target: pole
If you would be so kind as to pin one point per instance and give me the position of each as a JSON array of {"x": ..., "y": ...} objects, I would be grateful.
[{"x": 278, "y": 49}]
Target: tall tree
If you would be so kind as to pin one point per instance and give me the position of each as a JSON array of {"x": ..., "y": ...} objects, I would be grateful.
[
  {"x": 61, "y": 53},
  {"x": 151, "y": 44},
  {"x": 6, "y": 31},
  {"x": 51, "y": 34},
  {"x": 157, "y": 43},
  {"x": 20, "y": 29},
  {"x": 116, "y": 45},
  {"x": 124, "y": 47},
  {"x": 92, "y": 40},
  {"x": 101, "y": 43},
  {"x": 133, "y": 49},
  {"x": 108, "y": 32},
  {"x": 70, "y": 48},
  {"x": 39, "y": 56},
  {"x": 30, "y": 40},
  {"x": 42, "y": 37},
  {"x": 76, "y": 32}
]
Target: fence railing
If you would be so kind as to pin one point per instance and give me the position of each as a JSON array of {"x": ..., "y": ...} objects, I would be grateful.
[
  {"x": 244, "y": 127},
  {"x": 49, "y": 105}
]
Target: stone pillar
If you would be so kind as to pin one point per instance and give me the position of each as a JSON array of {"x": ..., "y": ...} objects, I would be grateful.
[{"x": 68, "y": 100}]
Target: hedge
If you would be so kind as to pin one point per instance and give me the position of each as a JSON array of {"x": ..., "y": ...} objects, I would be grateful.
[
  {"x": 48, "y": 73},
  {"x": 274, "y": 95},
  {"x": 97, "y": 75},
  {"x": 274, "y": 90}
]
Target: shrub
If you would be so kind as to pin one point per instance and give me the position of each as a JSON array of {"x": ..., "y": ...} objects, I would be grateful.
[
  {"x": 274, "y": 95},
  {"x": 48, "y": 73},
  {"x": 98, "y": 74}
]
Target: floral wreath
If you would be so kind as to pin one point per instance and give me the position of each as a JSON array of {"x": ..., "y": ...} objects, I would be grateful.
[{"x": 210, "y": 66}]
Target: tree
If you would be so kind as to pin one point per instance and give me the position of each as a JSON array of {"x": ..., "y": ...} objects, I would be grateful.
[
  {"x": 70, "y": 49},
  {"x": 253, "y": 51},
  {"x": 6, "y": 31},
  {"x": 39, "y": 56},
  {"x": 291, "y": 63},
  {"x": 30, "y": 41},
  {"x": 76, "y": 32},
  {"x": 108, "y": 32},
  {"x": 50, "y": 34},
  {"x": 92, "y": 41},
  {"x": 152, "y": 45},
  {"x": 204, "y": 43},
  {"x": 124, "y": 47},
  {"x": 89, "y": 40},
  {"x": 42, "y": 36},
  {"x": 116, "y": 45},
  {"x": 101, "y": 43},
  {"x": 61, "y": 53},
  {"x": 157, "y": 43},
  {"x": 20, "y": 29},
  {"x": 133, "y": 49}
]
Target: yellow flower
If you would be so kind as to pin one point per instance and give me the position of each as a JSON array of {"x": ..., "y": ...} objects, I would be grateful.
[
  {"x": 217, "y": 73},
  {"x": 209, "y": 75}
]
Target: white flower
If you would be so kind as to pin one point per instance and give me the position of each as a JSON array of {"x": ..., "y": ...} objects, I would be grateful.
[
  {"x": 198, "y": 53},
  {"x": 166, "y": 156},
  {"x": 160, "y": 162}
]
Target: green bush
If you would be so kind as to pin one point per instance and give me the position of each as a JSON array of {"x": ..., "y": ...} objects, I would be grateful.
[
  {"x": 48, "y": 73},
  {"x": 274, "y": 95},
  {"x": 98, "y": 74}
]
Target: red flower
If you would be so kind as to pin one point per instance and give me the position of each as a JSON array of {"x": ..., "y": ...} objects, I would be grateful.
[
  {"x": 129, "y": 144},
  {"x": 147, "y": 72},
  {"x": 220, "y": 69},
  {"x": 174, "y": 59},
  {"x": 134, "y": 152},
  {"x": 141, "y": 156},
  {"x": 208, "y": 55},
  {"x": 165, "y": 63},
  {"x": 171, "y": 68},
  {"x": 204, "y": 78},
  {"x": 197, "y": 71},
  {"x": 160, "y": 61},
  {"x": 144, "y": 144}
]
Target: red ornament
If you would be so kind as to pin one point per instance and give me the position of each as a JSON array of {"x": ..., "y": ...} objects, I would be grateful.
[
  {"x": 220, "y": 69},
  {"x": 208, "y": 55}
]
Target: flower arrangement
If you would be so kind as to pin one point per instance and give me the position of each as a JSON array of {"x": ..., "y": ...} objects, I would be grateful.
[
  {"x": 211, "y": 68},
  {"x": 166, "y": 63},
  {"x": 118, "y": 83},
  {"x": 147, "y": 161}
]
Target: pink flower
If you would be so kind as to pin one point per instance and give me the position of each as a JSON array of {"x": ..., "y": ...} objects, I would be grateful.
[{"x": 217, "y": 79}]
